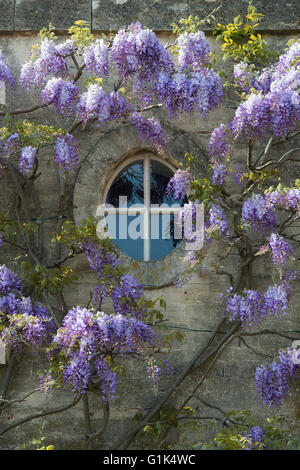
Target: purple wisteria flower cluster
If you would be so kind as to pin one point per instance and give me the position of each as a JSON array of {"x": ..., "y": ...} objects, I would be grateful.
[
  {"x": 88, "y": 339},
  {"x": 273, "y": 106},
  {"x": 28, "y": 156},
  {"x": 128, "y": 297},
  {"x": 103, "y": 264},
  {"x": 96, "y": 58},
  {"x": 219, "y": 174},
  {"x": 9, "y": 281},
  {"x": 218, "y": 146},
  {"x": 244, "y": 76},
  {"x": 194, "y": 51},
  {"x": 272, "y": 383},
  {"x": 66, "y": 152},
  {"x": 6, "y": 75},
  {"x": 255, "y": 438},
  {"x": 287, "y": 198},
  {"x": 253, "y": 307},
  {"x": 62, "y": 93},
  {"x": 181, "y": 93},
  {"x": 142, "y": 62},
  {"x": 259, "y": 211},
  {"x": 96, "y": 102},
  {"x": 22, "y": 320},
  {"x": 256, "y": 213},
  {"x": 281, "y": 250},
  {"x": 49, "y": 58},
  {"x": 149, "y": 129},
  {"x": 178, "y": 184},
  {"x": 137, "y": 51},
  {"x": 10, "y": 145},
  {"x": 217, "y": 222}
]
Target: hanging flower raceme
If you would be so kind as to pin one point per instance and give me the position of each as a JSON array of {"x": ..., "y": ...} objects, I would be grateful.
[
  {"x": 281, "y": 250},
  {"x": 285, "y": 111},
  {"x": 123, "y": 53},
  {"x": 66, "y": 152},
  {"x": 253, "y": 308},
  {"x": 287, "y": 198},
  {"x": 258, "y": 213},
  {"x": 254, "y": 438},
  {"x": 149, "y": 129},
  {"x": 218, "y": 147},
  {"x": 85, "y": 341},
  {"x": 217, "y": 223},
  {"x": 94, "y": 102},
  {"x": 137, "y": 50},
  {"x": 244, "y": 76},
  {"x": 252, "y": 118},
  {"x": 28, "y": 156},
  {"x": 61, "y": 93},
  {"x": 9, "y": 281},
  {"x": 152, "y": 58},
  {"x": 200, "y": 91},
  {"x": 128, "y": 297},
  {"x": 33, "y": 74},
  {"x": 194, "y": 51},
  {"x": 219, "y": 174},
  {"x": 178, "y": 184},
  {"x": 65, "y": 48},
  {"x": 10, "y": 145},
  {"x": 272, "y": 383},
  {"x": 189, "y": 220},
  {"x": 96, "y": 58},
  {"x": 22, "y": 320},
  {"x": 273, "y": 105},
  {"x": 291, "y": 59},
  {"x": 48, "y": 59},
  {"x": 5, "y": 72},
  {"x": 53, "y": 58},
  {"x": 118, "y": 106},
  {"x": 28, "y": 329}
]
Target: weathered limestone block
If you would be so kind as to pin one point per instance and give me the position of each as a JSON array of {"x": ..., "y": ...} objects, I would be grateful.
[
  {"x": 32, "y": 15},
  {"x": 7, "y": 15},
  {"x": 279, "y": 14},
  {"x": 113, "y": 14},
  {"x": 36, "y": 14},
  {"x": 158, "y": 15}
]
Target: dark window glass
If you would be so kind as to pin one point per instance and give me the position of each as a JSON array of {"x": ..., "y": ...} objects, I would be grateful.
[
  {"x": 130, "y": 183},
  {"x": 160, "y": 176}
]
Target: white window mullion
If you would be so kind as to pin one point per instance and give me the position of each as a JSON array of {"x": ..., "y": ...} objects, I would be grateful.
[{"x": 147, "y": 204}]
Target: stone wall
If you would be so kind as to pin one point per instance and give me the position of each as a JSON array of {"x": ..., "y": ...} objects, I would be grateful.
[
  {"x": 192, "y": 309},
  {"x": 105, "y": 15}
]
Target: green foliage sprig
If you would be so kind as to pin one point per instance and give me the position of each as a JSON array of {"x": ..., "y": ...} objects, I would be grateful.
[{"x": 242, "y": 42}]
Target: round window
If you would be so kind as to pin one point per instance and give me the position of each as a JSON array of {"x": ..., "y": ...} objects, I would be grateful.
[{"x": 140, "y": 216}]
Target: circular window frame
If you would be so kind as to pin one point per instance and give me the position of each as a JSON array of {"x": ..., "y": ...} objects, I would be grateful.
[{"x": 102, "y": 156}]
